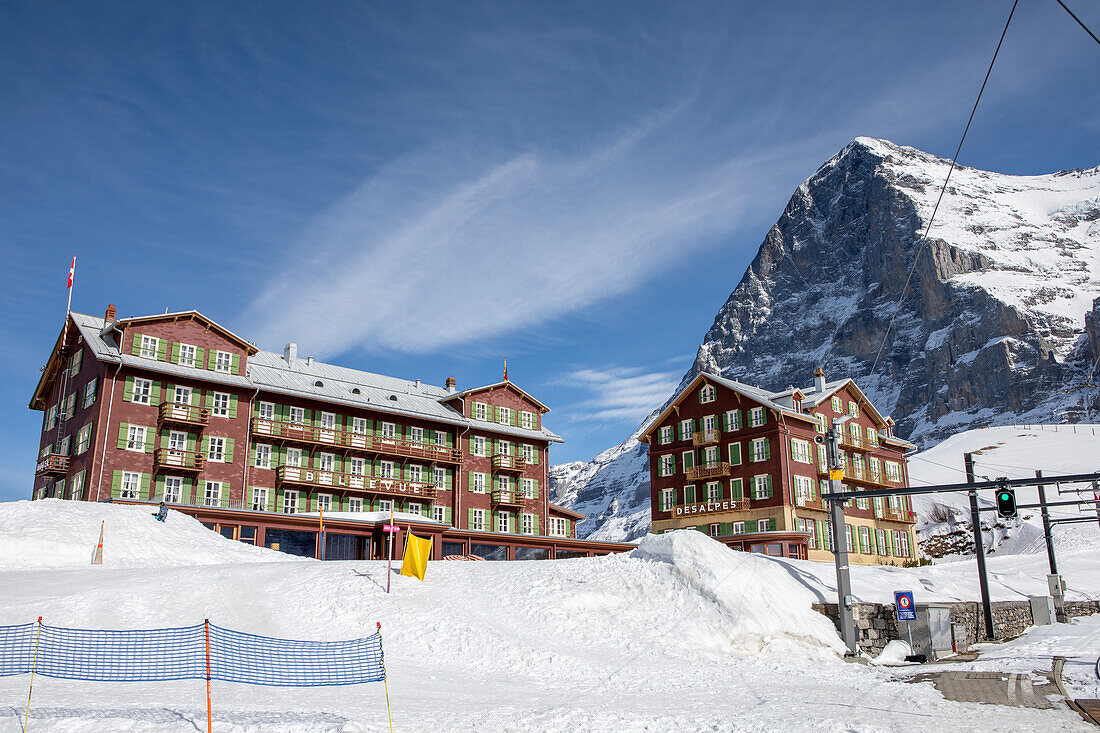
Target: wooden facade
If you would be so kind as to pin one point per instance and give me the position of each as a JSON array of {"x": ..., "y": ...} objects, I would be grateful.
[
  {"x": 176, "y": 408},
  {"x": 746, "y": 466}
]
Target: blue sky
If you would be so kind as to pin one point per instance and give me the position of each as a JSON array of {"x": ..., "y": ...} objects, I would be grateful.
[{"x": 424, "y": 189}]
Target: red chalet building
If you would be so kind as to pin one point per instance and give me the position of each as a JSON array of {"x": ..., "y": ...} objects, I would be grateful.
[
  {"x": 256, "y": 444},
  {"x": 741, "y": 464}
]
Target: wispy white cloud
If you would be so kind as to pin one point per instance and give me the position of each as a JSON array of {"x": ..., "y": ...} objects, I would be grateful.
[{"x": 617, "y": 394}]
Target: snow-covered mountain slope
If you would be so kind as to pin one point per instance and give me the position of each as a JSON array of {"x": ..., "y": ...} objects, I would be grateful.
[
  {"x": 681, "y": 634},
  {"x": 1013, "y": 452},
  {"x": 998, "y": 324}
]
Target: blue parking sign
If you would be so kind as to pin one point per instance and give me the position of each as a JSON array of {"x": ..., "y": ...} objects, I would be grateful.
[{"x": 903, "y": 602}]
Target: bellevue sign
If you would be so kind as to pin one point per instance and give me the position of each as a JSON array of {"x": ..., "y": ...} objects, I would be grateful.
[{"x": 708, "y": 507}]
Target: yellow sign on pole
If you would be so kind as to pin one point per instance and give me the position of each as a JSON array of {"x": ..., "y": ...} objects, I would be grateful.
[
  {"x": 417, "y": 552},
  {"x": 836, "y": 474}
]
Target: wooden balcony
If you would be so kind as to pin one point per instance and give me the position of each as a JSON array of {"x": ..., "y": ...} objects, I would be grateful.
[
  {"x": 169, "y": 459},
  {"x": 710, "y": 470},
  {"x": 511, "y": 464},
  {"x": 336, "y": 480},
  {"x": 170, "y": 412},
  {"x": 344, "y": 440},
  {"x": 706, "y": 437},
  {"x": 896, "y": 515},
  {"x": 806, "y": 502},
  {"x": 52, "y": 465},
  {"x": 508, "y": 498}
]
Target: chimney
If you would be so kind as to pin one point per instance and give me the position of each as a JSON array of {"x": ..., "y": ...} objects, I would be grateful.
[
  {"x": 290, "y": 353},
  {"x": 451, "y": 385},
  {"x": 109, "y": 316},
  {"x": 309, "y": 361},
  {"x": 819, "y": 380}
]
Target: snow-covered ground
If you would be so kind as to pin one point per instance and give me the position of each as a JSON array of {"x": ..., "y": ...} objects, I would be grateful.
[{"x": 681, "y": 634}]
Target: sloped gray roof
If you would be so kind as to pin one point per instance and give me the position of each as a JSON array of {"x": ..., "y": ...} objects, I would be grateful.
[{"x": 270, "y": 372}]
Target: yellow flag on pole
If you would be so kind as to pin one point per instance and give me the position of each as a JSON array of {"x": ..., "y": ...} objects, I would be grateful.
[{"x": 417, "y": 552}]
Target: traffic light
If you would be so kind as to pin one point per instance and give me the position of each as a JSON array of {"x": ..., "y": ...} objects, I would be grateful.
[{"x": 1006, "y": 503}]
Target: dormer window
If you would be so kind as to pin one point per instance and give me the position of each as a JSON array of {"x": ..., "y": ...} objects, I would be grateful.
[
  {"x": 708, "y": 393},
  {"x": 318, "y": 383},
  {"x": 223, "y": 361}
]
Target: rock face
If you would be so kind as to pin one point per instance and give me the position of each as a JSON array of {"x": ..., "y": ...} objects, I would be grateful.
[{"x": 985, "y": 320}]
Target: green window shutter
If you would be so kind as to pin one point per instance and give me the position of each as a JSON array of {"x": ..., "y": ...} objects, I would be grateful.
[
  {"x": 768, "y": 478},
  {"x": 750, "y": 526},
  {"x": 235, "y": 364},
  {"x": 736, "y": 489},
  {"x": 205, "y": 445},
  {"x": 191, "y": 443},
  {"x": 764, "y": 416},
  {"x": 128, "y": 390},
  {"x": 228, "y": 450},
  {"x": 735, "y": 454},
  {"x": 689, "y": 460},
  {"x": 169, "y": 393},
  {"x": 200, "y": 357},
  {"x": 144, "y": 493},
  {"x": 150, "y": 440},
  {"x": 116, "y": 484},
  {"x": 252, "y": 455},
  {"x": 689, "y": 495},
  {"x": 154, "y": 393},
  {"x": 135, "y": 345},
  {"x": 740, "y": 419},
  {"x": 164, "y": 438},
  {"x": 211, "y": 359},
  {"x": 767, "y": 448},
  {"x": 470, "y": 518},
  {"x": 162, "y": 350},
  {"x": 679, "y": 431},
  {"x": 159, "y": 486},
  {"x": 535, "y": 483},
  {"x": 232, "y": 406},
  {"x": 536, "y": 523},
  {"x": 515, "y": 421},
  {"x": 175, "y": 352},
  {"x": 209, "y": 404},
  {"x": 123, "y": 429},
  {"x": 535, "y": 455},
  {"x": 568, "y": 527},
  {"x": 725, "y": 421},
  {"x": 224, "y": 493},
  {"x": 470, "y": 481}
]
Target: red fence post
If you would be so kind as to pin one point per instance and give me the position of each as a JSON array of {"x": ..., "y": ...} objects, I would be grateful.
[{"x": 209, "y": 713}]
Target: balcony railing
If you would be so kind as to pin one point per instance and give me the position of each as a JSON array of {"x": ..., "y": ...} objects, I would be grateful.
[
  {"x": 807, "y": 502},
  {"x": 183, "y": 414},
  {"x": 170, "y": 459},
  {"x": 706, "y": 437},
  {"x": 508, "y": 498},
  {"x": 354, "y": 441},
  {"x": 709, "y": 470},
  {"x": 52, "y": 464},
  {"x": 502, "y": 462},
  {"x": 353, "y": 482}
]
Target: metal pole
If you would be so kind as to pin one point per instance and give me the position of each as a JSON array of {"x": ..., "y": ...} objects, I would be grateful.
[
  {"x": 1046, "y": 526},
  {"x": 840, "y": 547},
  {"x": 975, "y": 519}
]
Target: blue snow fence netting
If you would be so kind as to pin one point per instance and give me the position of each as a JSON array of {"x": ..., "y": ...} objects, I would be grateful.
[{"x": 153, "y": 655}]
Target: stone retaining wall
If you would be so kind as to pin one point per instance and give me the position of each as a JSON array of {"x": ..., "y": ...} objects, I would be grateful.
[{"x": 877, "y": 623}]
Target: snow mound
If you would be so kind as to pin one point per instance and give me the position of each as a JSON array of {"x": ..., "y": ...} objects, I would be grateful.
[
  {"x": 59, "y": 533},
  {"x": 764, "y": 604}
]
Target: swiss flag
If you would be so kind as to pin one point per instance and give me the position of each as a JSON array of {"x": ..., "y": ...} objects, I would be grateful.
[{"x": 72, "y": 271}]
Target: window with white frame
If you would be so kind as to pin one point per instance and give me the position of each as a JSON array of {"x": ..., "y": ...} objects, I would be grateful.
[
  {"x": 290, "y": 502},
  {"x": 216, "y": 450},
  {"x": 800, "y": 450},
  {"x": 66, "y": 444},
  {"x": 710, "y": 456},
  {"x": 324, "y": 502},
  {"x": 761, "y": 487},
  {"x": 479, "y": 445},
  {"x": 804, "y": 488},
  {"x": 504, "y": 415},
  {"x": 529, "y": 453},
  {"x": 477, "y": 482},
  {"x": 528, "y": 488},
  {"x": 294, "y": 457},
  {"x": 822, "y": 424},
  {"x": 667, "y": 465},
  {"x": 223, "y": 361},
  {"x": 733, "y": 420},
  {"x": 857, "y": 465},
  {"x": 504, "y": 448},
  {"x": 848, "y": 536},
  {"x": 355, "y": 504},
  {"x": 439, "y": 513},
  {"x": 828, "y": 535},
  {"x": 880, "y": 537},
  {"x": 143, "y": 390},
  {"x": 502, "y": 522},
  {"x": 834, "y": 402},
  {"x": 296, "y": 415},
  {"x": 359, "y": 425},
  {"x": 135, "y": 438},
  {"x": 477, "y": 520},
  {"x": 864, "y": 540},
  {"x": 527, "y": 523},
  {"x": 559, "y": 527},
  {"x": 326, "y": 462},
  {"x": 714, "y": 491},
  {"x": 668, "y": 499},
  {"x": 853, "y": 409},
  {"x": 83, "y": 439},
  {"x": 416, "y": 473},
  {"x": 89, "y": 393},
  {"x": 854, "y": 431},
  {"x": 904, "y": 537},
  {"x": 809, "y": 526},
  {"x": 503, "y": 485},
  {"x": 131, "y": 485},
  {"x": 266, "y": 411},
  {"x": 212, "y": 495},
  {"x": 664, "y": 435},
  {"x": 259, "y": 499},
  {"x": 149, "y": 345},
  {"x": 760, "y": 450},
  {"x": 186, "y": 355},
  {"x": 715, "y": 530},
  {"x": 385, "y": 469},
  {"x": 385, "y": 505},
  {"x": 756, "y": 417},
  {"x": 440, "y": 437},
  {"x": 710, "y": 423},
  {"x": 181, "y": 395},
  {"x": 872, "y": 436},
  {"x": 414, "y": 508},
  {"x": 480, "y": 411},
  {"x": 893, "y": 471},
  {"x": 708, "y": 393},
  {"x": 76, "y": 488},
  {"x": 873, "y": 464},
  {"x": 416, "y": 435},
  {"x": 220, "y": 405},
  {"x": 177, "y": 440},
  {"x": 328, "y": 421},
  {"x": 527, "y": 420},
  {"x": 439, "y": 477},
  {"x": 263, "y": 455},
  {"x": 687, "y": 429},
  {"x": 738, "y": 528}
]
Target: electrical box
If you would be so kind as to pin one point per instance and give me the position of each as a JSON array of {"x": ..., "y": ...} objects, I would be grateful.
[
  {"x": 1042, "y": 610},
  {"x": 932, "y": 633}
]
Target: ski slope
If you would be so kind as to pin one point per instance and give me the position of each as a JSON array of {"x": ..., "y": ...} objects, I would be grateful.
[{"x": 680, "y": 634}]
